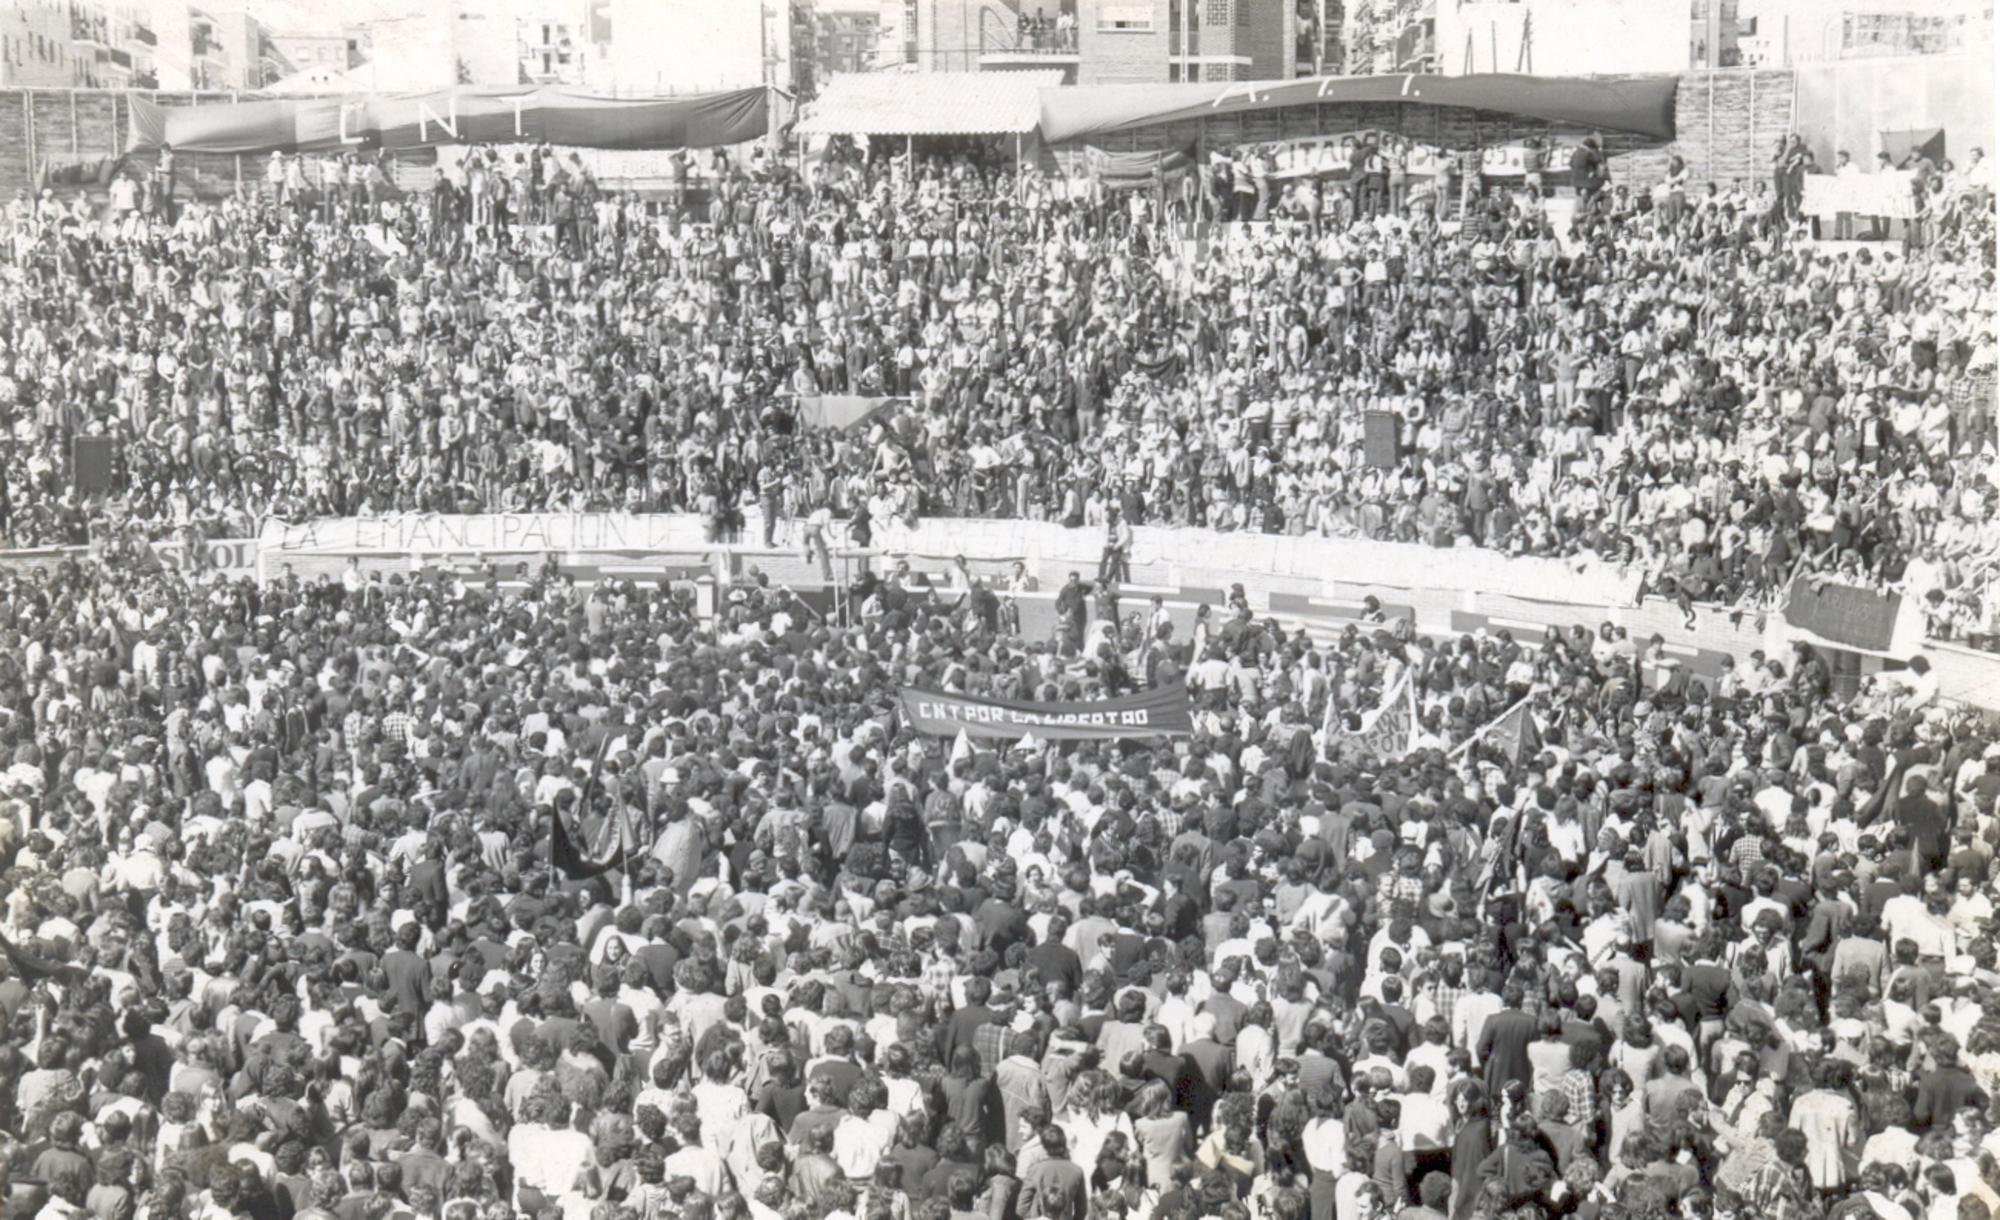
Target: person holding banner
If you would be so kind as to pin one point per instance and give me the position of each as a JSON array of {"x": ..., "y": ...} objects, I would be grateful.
[{"x": 1587, "y": 171}]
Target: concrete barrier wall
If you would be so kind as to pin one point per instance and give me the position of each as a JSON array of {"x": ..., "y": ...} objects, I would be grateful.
[{"x": 1187, "y": 568}]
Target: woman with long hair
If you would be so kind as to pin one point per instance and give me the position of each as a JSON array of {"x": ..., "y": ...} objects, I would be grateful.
[
  {"x": 1161, "y": 1133},
  {"x": 1090, "y": 1116},
  {"x": 1473, "y": 1143}
]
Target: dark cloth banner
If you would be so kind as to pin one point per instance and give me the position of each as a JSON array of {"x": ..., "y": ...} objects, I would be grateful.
[
  {"x": 1131, "y": 171},
  {"x": 569, "y": 858},
  {"x": 70, "y": 175},
  {"x": 1844, "y": 615},
  {"x": 31, "y": 967},
  {"x": 455, "y": 116},
  {"x": 1163, "y": 712},
  {"x": 1641, "y": 105}
]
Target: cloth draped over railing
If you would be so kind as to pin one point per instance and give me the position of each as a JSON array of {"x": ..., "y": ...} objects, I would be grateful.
[
  {"x": 1886, "y": 193},
  {"x": 454, "y": 116}
]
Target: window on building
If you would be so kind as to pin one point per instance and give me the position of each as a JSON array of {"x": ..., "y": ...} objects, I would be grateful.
[{"x": 1125, "y": 15}]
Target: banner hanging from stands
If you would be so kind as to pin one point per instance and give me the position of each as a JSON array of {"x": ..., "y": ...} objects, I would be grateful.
[
  {"x": 842, "y": 412},
  {"x": 454, "y": 116},
  {"x": 1163, "y": 712},
  {"x": 1887, "y": 193},
  {"x": 1832, "y": 615},
  {"x": 1640, "y": 105}
]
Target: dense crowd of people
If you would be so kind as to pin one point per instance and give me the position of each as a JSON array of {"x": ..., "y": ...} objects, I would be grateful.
[
  {"x": 413, "y": 899},
  {"x": 421, "y": 896},
  {"x": 1680, "y": 384}
]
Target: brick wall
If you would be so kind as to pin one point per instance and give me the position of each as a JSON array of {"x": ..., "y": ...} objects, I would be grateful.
[
  {"x": 1727, "y": 123},
  {"x": 1268, "y": 40},
  {"x": 43, "y": 126},
  {"x": 1122, "y": 57}
]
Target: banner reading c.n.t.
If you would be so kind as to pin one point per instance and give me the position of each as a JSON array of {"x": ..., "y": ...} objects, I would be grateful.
[{"x": 1162, "y": 712}]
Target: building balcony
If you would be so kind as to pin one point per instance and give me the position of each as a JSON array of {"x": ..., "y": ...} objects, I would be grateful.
[{"x": 999, "y": 48}]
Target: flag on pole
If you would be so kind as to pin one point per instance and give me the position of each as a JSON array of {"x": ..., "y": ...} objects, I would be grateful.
[
  {"x": 31, "y": 967},
  {"x": 1390, "y": 731},
  {"x": 564, "y": 853},
  {"x": 961, "y": 747},
  {"x": 1029, "y": 744},
  {"x": 1513, "y": 733},
  {"x": 569, "y": 858}
]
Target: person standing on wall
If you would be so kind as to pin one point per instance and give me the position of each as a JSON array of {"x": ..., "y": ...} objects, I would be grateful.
[
  {"x": 165, "y": 170},
  {"x": 1472, "y": 175},
  {"x": 770, "y": 491},
  {"x": 1586, "y": 171},
  {"x": 1117, "y": 561}
]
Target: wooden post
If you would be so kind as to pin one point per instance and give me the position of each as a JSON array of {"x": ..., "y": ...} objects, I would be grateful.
[
  {"x": 28, "y": 133},
  {"x": 73, "y": 150},
  {"x": 1754, "y": 146}
]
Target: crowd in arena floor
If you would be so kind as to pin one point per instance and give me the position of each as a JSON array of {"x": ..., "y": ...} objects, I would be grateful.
[
  {"x": 1685, "y": 387},
  {"x": 413, "y": 897}
]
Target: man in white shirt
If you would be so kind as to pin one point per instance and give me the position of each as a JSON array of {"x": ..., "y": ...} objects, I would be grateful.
[{"x": 1425, "y": 1122}]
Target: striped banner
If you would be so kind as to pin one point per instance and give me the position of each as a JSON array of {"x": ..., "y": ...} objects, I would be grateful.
[{"x": 1161, "y": 712}]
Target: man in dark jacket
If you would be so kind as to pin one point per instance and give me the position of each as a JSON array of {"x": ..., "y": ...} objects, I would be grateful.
[
  {"x": 1056, "y": 1185},
  {"x": 1503, "y": 1043}
]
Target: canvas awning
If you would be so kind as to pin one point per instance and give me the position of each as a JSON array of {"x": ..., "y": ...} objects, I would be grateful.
[
  {"x": 930, "y": 104},
  {"x": 1641, "y": 105}
]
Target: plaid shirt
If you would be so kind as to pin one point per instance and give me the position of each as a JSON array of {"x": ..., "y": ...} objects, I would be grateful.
[
  {"x": 935, "y": 981},
  {"x": 1443, "y": 998},
  {"x": 1580, "y": 1091},
  {"x": 989, "y": 1042},
  {"x": 1747, "y": 854},
  {"x": 1404, "y": 893},
  {"x": 396, "y": 727}
]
